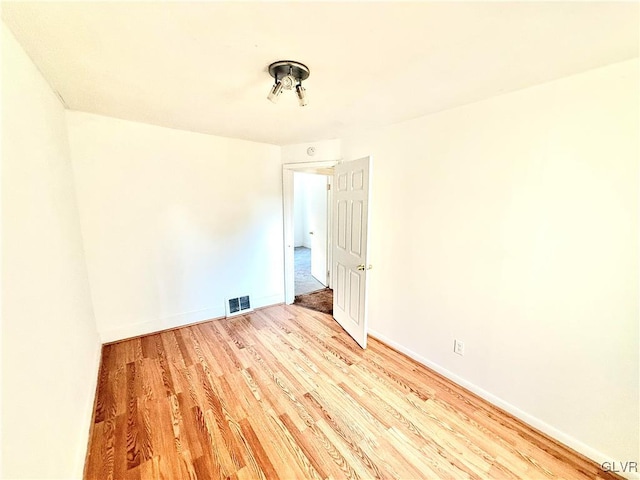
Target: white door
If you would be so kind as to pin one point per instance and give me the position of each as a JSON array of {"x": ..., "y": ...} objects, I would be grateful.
[
  {"x": 317, "y": 209},
  {"x": 351, "y": 220}
]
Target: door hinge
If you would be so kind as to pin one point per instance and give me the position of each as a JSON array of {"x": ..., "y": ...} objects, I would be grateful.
[{"x": 328, "y": 186}]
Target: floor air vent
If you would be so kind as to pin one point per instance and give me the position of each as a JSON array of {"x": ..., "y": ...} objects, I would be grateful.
[{"x": 238, "y": 306}]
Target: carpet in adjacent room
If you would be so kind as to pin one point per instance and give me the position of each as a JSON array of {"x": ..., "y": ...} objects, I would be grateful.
[{"x": 321, "y": 301}]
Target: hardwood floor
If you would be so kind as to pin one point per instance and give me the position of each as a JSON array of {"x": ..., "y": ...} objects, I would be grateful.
[{"x": 284, "y": 393}]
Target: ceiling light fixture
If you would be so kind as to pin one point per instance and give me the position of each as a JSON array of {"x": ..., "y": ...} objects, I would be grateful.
[{"x": 288, "y": 75}]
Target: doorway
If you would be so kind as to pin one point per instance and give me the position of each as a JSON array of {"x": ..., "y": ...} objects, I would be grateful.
[
  {"x": 307, "y": 225},
  {"x": 310, "y": 212},
  {"x": 310, "y": 225},
  {"x": 347, "y": 238}
]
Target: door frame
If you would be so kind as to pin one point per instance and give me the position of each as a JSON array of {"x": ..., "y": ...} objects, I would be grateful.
[{"x": 288, "y": 170}]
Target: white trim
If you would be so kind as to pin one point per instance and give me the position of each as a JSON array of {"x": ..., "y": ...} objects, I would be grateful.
[
  {"x": 180, "y": 320},
  {"x": 152, "y": 326},
  {"x": 330, "y": 232},
  {"x": 288, "y": 169},
  {"x": 309, "y": 166},
  {"x": 288, "y": 233},
  {"x": 266, "y": 301},
  {"x": 535, "y": 422},
  {"x": 92, "y": 391}
]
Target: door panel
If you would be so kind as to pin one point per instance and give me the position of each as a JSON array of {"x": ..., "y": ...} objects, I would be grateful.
[
  {"x": 354, "y": 298},
  {"x": 339, "y": 293},
  {"x": 356, "y": 228},
  {"x": 342, "y": 225},
  {"x": 351, "y": 201}
]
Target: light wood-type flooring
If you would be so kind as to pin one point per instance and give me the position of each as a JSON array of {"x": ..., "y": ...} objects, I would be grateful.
[{"x": 284, "y": 393}]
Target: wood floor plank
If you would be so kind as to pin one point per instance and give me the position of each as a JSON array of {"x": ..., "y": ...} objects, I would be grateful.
[
  {"x": 274, "y": 445},
  {"x": 284, "y": 393}
]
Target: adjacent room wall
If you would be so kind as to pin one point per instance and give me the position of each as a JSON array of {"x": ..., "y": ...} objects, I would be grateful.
[
  {"x": 174, "y": 222},
  {"x": 315, "y": 215},
  {"x": 300, "y": 223},
  {"x": 310, "y": 205},
  {"x": 512, "y": 225},
  {"x": 50, "y": 346}
]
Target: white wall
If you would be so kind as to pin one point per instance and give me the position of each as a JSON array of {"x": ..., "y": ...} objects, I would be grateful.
[
  {"x": 300, "y": 221},
  {"x": 325, "y": 150},
  {"x": 315, "y": 191},
  {"x": 512, "y": 224},
  {"x": 174, "y": 222},
  {"x": 310, "y": 205},
  {"x": 50, "y": 346}
]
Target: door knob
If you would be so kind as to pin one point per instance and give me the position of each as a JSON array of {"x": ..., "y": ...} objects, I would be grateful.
[
  {"x": 310, "y": 233},
  {"x": 362, "y": 267}
]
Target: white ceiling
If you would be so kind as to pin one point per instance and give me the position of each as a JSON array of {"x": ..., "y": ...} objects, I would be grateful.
[{"x": 203, "y": 66}]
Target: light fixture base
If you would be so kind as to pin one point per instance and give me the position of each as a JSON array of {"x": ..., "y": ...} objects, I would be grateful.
[{"x": 283, "y": 68}]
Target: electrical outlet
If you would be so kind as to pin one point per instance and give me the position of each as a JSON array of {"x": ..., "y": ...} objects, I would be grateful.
[{"x": 458, "y": 347}]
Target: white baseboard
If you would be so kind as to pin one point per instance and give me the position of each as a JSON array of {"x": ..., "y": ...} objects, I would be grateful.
[
  {"x": 144, "y": 328},
  {"x": 87, "y": 416},
  {"x": 175, "y": 321},
  {"x": 267, "y": 301},
  {"x": 553, "y": 432}
]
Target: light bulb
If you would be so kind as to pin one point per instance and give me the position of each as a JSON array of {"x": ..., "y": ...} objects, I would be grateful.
[
  {"x": 288, "y": 82},
  {"x": 274, "y": 93},
  {"x": 302, "y": 96}
]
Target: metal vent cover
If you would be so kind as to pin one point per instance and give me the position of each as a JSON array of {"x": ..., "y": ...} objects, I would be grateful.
[{"x": 238, "y": 305}]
